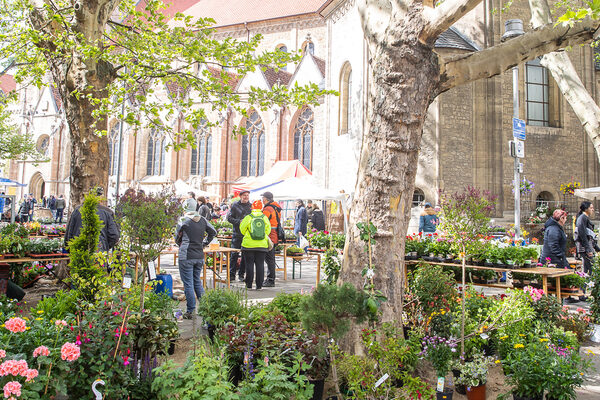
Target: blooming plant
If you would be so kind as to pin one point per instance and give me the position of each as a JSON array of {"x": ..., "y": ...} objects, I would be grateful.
[
  {"x": 525, "y": 186},
  {"x": 472, "y": 373},
  {"x": 569, "y": 187},
  {"x": 439, "y": 351}
]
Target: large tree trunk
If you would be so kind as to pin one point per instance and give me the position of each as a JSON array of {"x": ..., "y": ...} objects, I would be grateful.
[{"x": 405, "y": 75}]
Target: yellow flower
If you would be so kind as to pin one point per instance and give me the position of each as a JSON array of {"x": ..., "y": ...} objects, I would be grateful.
[
  {"x": 519, "y": 346},
  {"x": 497, "y": 361},
  {"x": 26, "y": 319},
  {"x": 543, "y": 340},
  {"x": 504, "y": 337},
  {"x": 40, "y": 312},
  {"x": 520, "y": 334},
  {"x": 443, "y": 312},
  {"x": 591, "y": 352},
  {"x": 38, "y": 319}
]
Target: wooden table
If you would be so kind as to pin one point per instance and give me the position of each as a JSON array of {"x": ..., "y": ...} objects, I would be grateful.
[
  {"x": 5, "y": 267},
  {"x": 545, "y": 272},
  {"x": 224, "y": 253}
]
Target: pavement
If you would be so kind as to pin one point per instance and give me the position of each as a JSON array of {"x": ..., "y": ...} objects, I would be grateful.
[{"x": 190, "y": 329}]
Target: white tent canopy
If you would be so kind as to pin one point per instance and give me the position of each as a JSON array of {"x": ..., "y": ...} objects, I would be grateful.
[
  {"x": 182, "y": 188},
  {"x": 298, "y": 188},
  {"x": 589, "y": 193}
]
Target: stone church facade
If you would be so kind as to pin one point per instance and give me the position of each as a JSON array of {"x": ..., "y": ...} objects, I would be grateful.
[{"x": 465, "y": 140}]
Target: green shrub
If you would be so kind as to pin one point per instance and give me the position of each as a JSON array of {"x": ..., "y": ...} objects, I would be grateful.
[
  {"x": 58, "y": 307},
  {"x": 433, "y": 287},
  {"x": 288, "y": 304},
  {"x": 219, "y": 306}
]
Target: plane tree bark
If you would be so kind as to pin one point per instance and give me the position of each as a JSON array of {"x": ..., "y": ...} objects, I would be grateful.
[{"x": 406, "y": 77}]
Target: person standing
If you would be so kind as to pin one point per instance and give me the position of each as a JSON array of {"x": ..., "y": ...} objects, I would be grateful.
[
  {"x": 255, "y": 244},
  {"x": 24, "y": 209},
  {"x": 309, "y": 209},
  {"x": 193, "y": 233},
  {"x": 555, "y": 240},
  {"x": 190, "y": 203},
  {"x": 203, "y": 208},
  {"x": 60, "y": 208},
  {"x": 2, "y": 201},
  {"x": 52, "y": 206},
  {"x": 585, "y": 238},
  {"x": 236, "y": 214},
  {"x": 428, "y": 221},
  {"x": 301, "y": 221},
  {"x": 272, "y": 211},
  {"x": 317, "y": 218},
  {"x": 109, "y": 235},
  {"x": 33, "y": 203}
]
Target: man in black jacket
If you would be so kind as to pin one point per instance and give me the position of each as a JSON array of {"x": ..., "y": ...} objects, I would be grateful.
[
  {"x": 109, "y": 235},
  {"x": 192, "y": 235},
  {"x": 238, "y": 211}
]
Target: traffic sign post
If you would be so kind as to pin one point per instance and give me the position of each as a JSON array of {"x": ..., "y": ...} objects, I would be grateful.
[{"x": 519, "y": 129}]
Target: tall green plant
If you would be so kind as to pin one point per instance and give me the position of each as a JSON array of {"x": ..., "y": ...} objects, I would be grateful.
[
  {"x": 85, "y": 272},
  {"x": 595, "y": 290},
  {"x": 148, "y": 221},
  {"x": 465, "y": 217}
]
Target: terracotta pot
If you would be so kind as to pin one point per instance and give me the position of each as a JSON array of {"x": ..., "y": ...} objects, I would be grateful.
[{"x": 476, "y": 393}]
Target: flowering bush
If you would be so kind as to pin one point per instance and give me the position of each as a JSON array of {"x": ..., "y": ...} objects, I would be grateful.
[
  {"x": 525, "y": 186},
  {"x": 439, "y": 351},
  {"x": 569, "y": 187},
  {"x": 474, "y": 372}
]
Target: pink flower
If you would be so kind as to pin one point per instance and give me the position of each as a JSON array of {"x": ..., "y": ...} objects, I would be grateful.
[
  {"x": 70, "y": 351},
  {"x": 41, "y": 351},
  {"x": 78, "y": 340},
  {"x": 2, "y": 353},
  {"x": 125, "y": 360},
  {"x": 60, "y": 323},
  {"x": 15, "y": 325},
  {"x": 13, "y": 367},
  {"x": 12, "y": 387},
  {"x": 31, "y": 374}
]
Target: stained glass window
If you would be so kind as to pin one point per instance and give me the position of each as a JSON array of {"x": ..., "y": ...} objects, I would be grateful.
[
  {"x": 253, "y": 146},
  {"x": 303, "y": 136}
]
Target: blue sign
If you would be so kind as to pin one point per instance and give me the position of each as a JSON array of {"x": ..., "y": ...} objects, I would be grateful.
[{"x": 519, "y": 128}]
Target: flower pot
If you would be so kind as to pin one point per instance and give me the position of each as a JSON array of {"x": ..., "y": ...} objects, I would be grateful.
[
  {"x": 460, "y": 389},
  {"x": 476, "y": 393},
  {"x": 447, "y": 395},
  {"x": 171, "y": 349},
  {"x": 318, "y": 388},
  {"x": 211, "y": 331}
]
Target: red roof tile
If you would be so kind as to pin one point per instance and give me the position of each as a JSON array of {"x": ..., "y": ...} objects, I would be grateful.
[
  {"x": 233, "y": 78},
  {"x": 278, "y": 76},
  {"x": 240, "y": 11},
  {"x": 7, "y": 83},
  {"x": 56, "y": 97},
  {"x": 320, "y": 64}
]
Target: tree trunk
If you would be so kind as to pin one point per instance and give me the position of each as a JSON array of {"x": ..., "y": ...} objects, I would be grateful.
[{"x": 405, "y": 75}]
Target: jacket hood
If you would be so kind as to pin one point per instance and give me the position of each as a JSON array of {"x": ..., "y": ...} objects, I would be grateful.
[
  {"x": 429, "y": 211},
  {"x": 551, "y": 221},
  {"x": 256, "y": 212},
  {"x": 196, "y": 219}
]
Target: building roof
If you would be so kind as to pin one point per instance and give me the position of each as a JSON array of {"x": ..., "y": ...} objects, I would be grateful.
[
  {"x": 56, "y": 97},
  {"x": 7, "y": 83},
  {"x": 320, "y": 64},
  {"x": 246, "y": 11},
  {"x": 454, "y": 39},
  {"x": 234, "y": 79},
  {"x": 277, "y": 76}
]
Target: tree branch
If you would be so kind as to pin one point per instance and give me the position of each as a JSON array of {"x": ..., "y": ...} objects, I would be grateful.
[
  {"x": 495, "y": 60},
  {"x": 442, "y": 17}
]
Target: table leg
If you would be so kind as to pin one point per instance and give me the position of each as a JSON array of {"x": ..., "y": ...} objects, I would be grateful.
[
  {"x": 227, "y": 268},
  {"x": 545, "y": 284},
  {"x": 318, "y": 268},
  {"x": 284, "y": 262},
  {"x": 558, "y": 294},
  {"x": 204, "y": 273},
  {"x": 175, "y": 259}
]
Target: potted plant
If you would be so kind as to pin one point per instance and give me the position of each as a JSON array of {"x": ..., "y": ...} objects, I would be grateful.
[
  {"x": 473, "y": 375},
  {"x": 573, "y": 283},
  {"x": 440, "y": 351},
  {"x": 294, "y": 251},
  {"x": 219, "y": 306}
]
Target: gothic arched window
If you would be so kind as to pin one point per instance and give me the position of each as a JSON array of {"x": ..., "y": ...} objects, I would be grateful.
[
  {"x": 253, "y": 146},
  {"x": 202, "y": 154},
  {"x": 303, "y": 136},
  {"x": 155, "y": 164},
  {"x": 113, "y": 149},
  {"x": 345, "y": 99}
]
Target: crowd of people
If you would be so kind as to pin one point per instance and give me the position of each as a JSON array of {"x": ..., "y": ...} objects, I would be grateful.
[{"x": 26, "y": 208}]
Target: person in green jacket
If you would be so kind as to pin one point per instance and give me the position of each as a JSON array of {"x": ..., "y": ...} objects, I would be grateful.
[{"x": 255, "y": 244}]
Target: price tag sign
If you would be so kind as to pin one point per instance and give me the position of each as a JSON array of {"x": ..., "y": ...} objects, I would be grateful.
[
  {"x": 127, "y": 281},
  {"x": 151, "y": 271},
  {"x": 484, "y": 336}
]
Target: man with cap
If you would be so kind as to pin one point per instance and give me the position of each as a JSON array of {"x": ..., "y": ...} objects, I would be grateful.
[
  {"x": 428, "y": 221},
  {"x": 238, "y": 211},
  {"x": 109, "y": 235},
  {"x": 272, "y": 210},
  {"x": 192, "y": 235}
]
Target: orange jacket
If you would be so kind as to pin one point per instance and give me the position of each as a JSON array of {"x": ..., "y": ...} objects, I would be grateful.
[{"x": 271, "y": 213}]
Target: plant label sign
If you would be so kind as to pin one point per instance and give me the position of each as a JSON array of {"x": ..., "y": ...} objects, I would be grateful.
[
  {"x": 440, "y": 384},
  {"x": 151, "y": 271},
  {"x": 381, "y": 380},
  {"x": 126, "y": 281}
]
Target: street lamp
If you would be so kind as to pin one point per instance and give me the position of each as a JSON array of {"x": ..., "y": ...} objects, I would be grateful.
[{"x": 512, "y": 29}]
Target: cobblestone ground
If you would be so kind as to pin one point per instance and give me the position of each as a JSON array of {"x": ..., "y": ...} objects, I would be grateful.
[{"x": 307, "y": 281}]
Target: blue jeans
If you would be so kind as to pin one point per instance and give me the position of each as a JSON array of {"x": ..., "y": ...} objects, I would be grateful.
[{"x": 191, "y": 271}]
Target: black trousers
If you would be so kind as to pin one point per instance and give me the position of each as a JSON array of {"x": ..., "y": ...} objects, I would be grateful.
[
  {"x": 254, "y": 258},
  {"x": 270, "y": 260},
  {"x": 236, "y": 243}
]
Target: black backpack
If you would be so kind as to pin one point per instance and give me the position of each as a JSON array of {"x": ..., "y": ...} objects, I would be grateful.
[{"x": 279, "y": 228}]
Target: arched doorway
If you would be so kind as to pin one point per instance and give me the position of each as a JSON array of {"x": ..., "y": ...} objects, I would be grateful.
[{"x": 37, "y": 186}]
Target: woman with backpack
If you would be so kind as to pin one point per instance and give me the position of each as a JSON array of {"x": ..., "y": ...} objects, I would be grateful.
[{"x": 255, "y": 244}]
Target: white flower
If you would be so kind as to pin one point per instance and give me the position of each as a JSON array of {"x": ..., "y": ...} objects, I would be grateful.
[{"x": 370, "y": 273}]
